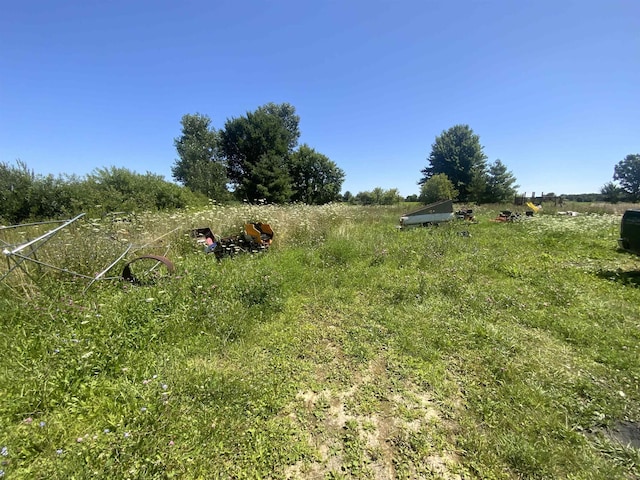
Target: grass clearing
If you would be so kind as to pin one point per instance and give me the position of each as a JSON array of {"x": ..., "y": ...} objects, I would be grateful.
[{"x": 348, "y": 350}]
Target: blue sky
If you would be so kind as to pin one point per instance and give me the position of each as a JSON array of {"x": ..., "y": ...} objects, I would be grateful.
[{"x": 551, "y": 87}]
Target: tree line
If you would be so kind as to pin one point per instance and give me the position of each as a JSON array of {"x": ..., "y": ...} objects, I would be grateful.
[
  {"x": 255, "y": 157},
  {"x": 377, "y": 196},
  {"x": 25, "y": 195},
  {"x": 458, "y": 170}
]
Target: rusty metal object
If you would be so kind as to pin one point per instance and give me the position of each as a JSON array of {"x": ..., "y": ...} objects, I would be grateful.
[
  {"x": 128, "y": 275},
  {"x": 256, "y": 237}
]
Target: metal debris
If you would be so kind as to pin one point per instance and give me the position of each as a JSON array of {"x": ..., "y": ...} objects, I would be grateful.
[{"x": 256, "y": 237}]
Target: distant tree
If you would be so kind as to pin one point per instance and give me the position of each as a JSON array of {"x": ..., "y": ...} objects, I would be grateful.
[
  {"x": 611, "y": 192},
  {"x": 378, "y": 196},
  {"x": 627, "y": 173},
  {"x": 117, "y": 188},
  {"x": 364, "y": 198},
  {"x": 347, "y": 196},
  {"x": 16, "y": 185},
  {"x": 500, "y": 183},
  {"x": 437, "y": 188},
  {"x": 411, "y": 198},
  {"x": 288, "y": 118},
  {"x": 584, "y": 197},
  {"x": 51, "y": 197},
  {"x": 200, "y": 165},
  {"x": 457, "y": 153},
  {"x": 257, "y": 141},
  {"x": 390, "y": 197},
  {"x": 316, "y": 180}
]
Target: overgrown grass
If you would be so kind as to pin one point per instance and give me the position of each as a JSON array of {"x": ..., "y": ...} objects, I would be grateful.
[{"x": 349, "y": 350}]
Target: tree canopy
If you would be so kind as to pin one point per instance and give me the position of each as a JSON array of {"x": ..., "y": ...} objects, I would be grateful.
[
  {"x": 200, "y": 166},
  {"x": 437, "y": 188},
  {"x": 377, "y": 196},
  {"x": 501, "y": 185},
  {"x": 627, "y": 173},
  {"x": 457, "y": 153},
  {"x": 256, "y": 154},
  {"x": 611, "y": 192},
  {"x": 316, "y": 179},
  {"x": 253, "y": 144}
]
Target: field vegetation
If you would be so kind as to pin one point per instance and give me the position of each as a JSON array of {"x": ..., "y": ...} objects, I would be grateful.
[{"x": 349, "y": 349}]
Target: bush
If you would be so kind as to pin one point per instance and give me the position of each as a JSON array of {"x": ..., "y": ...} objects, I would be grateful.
[{"x": 26, "y": 196}]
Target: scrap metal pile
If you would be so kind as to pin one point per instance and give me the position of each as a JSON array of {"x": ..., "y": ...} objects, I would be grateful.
[
  {"x": 509, "y": 216},
  {"x": 255, "y": 237}
]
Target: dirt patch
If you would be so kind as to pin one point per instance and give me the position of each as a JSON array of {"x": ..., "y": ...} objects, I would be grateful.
[
  {"x": 375, "y": 428},
  {"x": 626, "y": 433}
]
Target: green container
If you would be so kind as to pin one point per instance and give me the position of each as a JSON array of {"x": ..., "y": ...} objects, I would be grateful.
[{"x": 630, "y": 232}]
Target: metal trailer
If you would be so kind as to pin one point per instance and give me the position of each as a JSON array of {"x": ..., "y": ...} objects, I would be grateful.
[{"x": 432, "y": 214}]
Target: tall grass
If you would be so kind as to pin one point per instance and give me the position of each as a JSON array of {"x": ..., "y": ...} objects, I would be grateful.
[{"x": 348, "y": 350}]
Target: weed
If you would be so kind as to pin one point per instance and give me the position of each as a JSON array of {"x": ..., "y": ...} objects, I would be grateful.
[{"x": 348, "y": 350}]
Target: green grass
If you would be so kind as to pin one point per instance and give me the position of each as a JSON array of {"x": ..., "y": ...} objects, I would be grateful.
[{"x": 348, "y": 350}]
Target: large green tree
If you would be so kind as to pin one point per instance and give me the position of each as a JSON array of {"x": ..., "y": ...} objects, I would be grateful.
[
  {"x": 478, "y": 188},
  {"x": 501, "y": 185},
  {"x": 200, "y": 165},
  {"x": 253, "y": 143},
  {"x": 457, "y": 153},
  {"x": 436, "y": 189},
  {"x": 627, "y": 173},
  {"x": 611, "y": 192},
  {"x": 316, "y": 180},
  {"x": 268, "y": 180}
]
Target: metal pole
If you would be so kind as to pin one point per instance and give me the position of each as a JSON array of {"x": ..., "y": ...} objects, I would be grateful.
[
  {"x": 49, "y": 233},
  {"x": 97, "y": 277},
  {"x": 19, "y": 225}
]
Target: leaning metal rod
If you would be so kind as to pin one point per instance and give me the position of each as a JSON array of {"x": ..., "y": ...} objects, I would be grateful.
[
  {"x": 17, "y": 264},
  {"x": 44, "y": 238},
  {"x": 19, "y": 225},
  {"x": 162, "y": 236},
  {"x": 65, "y": 270},
  {"x": 97, "y": 277}
]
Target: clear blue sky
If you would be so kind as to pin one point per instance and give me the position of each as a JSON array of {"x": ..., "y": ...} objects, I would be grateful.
[{"x": 551, "y": 87}]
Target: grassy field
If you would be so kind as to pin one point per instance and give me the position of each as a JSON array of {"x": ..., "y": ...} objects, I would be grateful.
[{"x": 348, "y": 350}]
